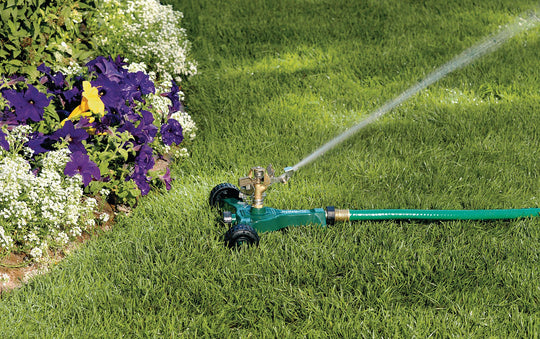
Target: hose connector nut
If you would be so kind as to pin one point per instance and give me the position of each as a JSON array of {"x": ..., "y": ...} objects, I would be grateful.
[
  {"x": 227, "y": 217},
  {"x": 330, "y": 215}
]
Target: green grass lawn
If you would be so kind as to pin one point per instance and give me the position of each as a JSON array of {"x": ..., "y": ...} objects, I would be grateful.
[{"x": 277, "y": 80}]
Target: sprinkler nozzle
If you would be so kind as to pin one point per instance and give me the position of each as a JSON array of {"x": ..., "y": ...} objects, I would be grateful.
[{"x": 285, "y": 176}]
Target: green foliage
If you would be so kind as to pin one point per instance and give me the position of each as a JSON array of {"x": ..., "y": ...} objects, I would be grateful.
[
  {"x": 113, "y": 154},
  {"x": 36, "y": 31}
]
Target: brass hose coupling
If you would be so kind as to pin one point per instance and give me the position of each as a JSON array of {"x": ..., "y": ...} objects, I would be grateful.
[{"x": 333, "y": 215}]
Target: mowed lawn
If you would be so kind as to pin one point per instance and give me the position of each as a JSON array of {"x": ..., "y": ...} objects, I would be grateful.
[{"x": 277, "y": 80}]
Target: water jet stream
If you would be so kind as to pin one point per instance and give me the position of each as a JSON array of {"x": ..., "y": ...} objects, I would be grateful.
[{"x": 485, "y": 46}]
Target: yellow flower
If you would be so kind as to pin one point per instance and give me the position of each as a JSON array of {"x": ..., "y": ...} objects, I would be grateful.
[
  {"x": 90, "y": 104},
  {"x": 93, "y": 99}
]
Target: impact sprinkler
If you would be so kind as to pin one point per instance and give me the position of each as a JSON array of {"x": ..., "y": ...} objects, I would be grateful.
[
  {"x": 244, "y": 211},
  {"x": 244, "y": 208}
]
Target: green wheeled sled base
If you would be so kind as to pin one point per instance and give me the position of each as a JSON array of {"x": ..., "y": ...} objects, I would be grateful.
[{"x": 246, "y": 221}]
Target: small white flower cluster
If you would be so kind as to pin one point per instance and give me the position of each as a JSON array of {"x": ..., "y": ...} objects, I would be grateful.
[
  {"x": 174, "y": 152},
  {"x": 36, "y": 253},
  {"x": 4, "y": 278},
  {"x": 17, "y": 137},
  {"x": 160, "y": 104},
  {"x": 153, "y": 33},
  {"x": 46, "y": 204},
  {"x": 188, "y": 125},
  {"x": 72, "y": 69},
  {"x": 104, "y": 217},
  {"x": 104, "y": 193},
  {"x": 5, "y": 240},
  {"x": 181, "y": 152}
]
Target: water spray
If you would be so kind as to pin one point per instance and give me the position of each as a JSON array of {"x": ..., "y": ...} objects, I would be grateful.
[{"x": 243, "y": 206}]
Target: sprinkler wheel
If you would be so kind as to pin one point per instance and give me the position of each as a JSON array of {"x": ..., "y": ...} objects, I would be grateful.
[
  {"x": 222, "y": 192},
  {"x": 241, "y": 235}
]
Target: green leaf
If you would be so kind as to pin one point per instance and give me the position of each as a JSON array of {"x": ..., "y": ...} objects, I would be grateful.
[
  {"x": 83, "y": 55},
  {"x": 37, "y": 28},
  {"x": 16, "y": 62},
  {"x": 10, "y": 69},
  {"x": 13, "y": 26},
  {"x": 10, "y": 47},
  {"x": 50, "y": 114},
  {"x": 104, "y": 167},
  {"x": 14, "y": 13},
  {"x": 4, "y": 14},
  {"x": 123, "y": 153}
]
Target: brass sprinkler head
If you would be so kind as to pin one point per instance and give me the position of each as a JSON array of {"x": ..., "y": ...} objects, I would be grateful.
[
  {"x": 258, "y": 180},
  {"x": 256, "y": 183}
]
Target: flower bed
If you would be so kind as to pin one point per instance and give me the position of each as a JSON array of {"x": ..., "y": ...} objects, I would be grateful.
[
  {"x": 96, "y": 132},
  {"x": 74, "y": 134}
]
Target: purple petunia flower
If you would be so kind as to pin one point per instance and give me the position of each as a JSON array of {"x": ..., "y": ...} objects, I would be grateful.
[
  {"x": 110, "y": 93},
  {"x": 147, "y": 117},
  {"x": 107, "y": 68},
  {"x": 145, "y": 131},
  {"x": 145, "y": 159},
  {"x": 28, "y": 105},
  {"x": 85, "y": 124},
  {"x": 176, "y": 105},
  {"x": 8, "y": 117},
  {"x": 71, "y": 98},
  {"x": 171, "y": 132},
  {"x": 80, "y": 163},
  {"x": 142, "y": 182},
  {"x": 135, "y": 85},
  {"x": 73, "y": 95},
  {"x": 55, "y": 82},
  {"x": 166, "y": 178},
  {"x": 44, "y": 69},
  {"x": 108, "y": 120},
  {"x": 40, "y": 143},
  {"x": 3, "y": 141},
  {"x": 148, "y": 129},
  {"x": 74, "y": 136}
]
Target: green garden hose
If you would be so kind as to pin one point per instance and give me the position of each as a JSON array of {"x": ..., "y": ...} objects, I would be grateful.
[{"x": 412, "y": 214}]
